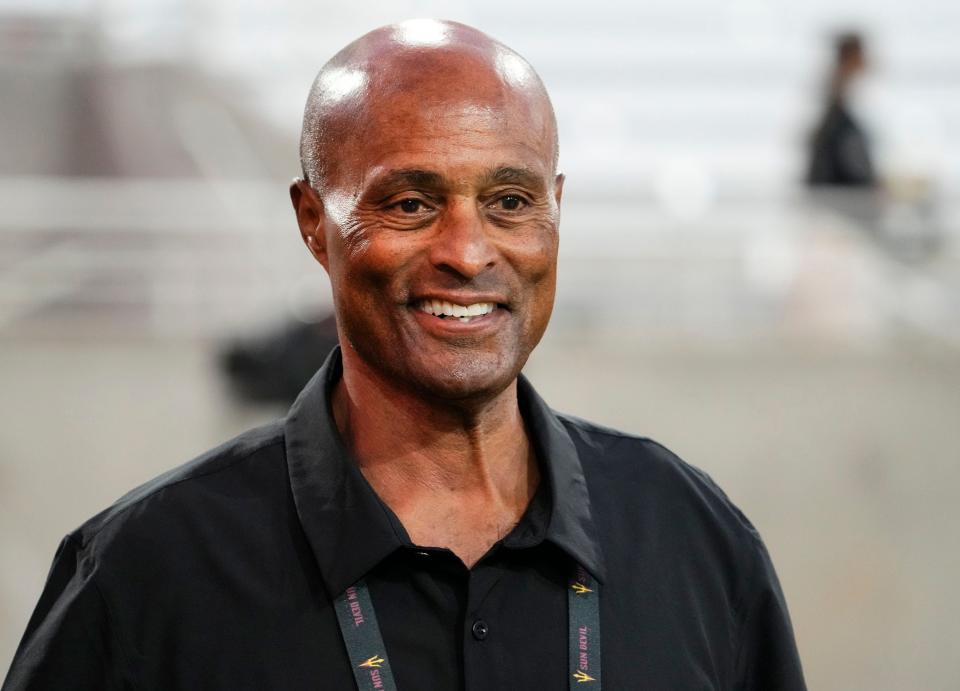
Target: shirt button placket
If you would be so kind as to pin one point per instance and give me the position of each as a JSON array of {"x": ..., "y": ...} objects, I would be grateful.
[{"x": 480, "y": 641}]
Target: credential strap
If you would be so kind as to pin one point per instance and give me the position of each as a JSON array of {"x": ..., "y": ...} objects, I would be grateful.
[
  {"x": 583, "y": 611},
  {"x": 368, "y": 654},
  {"x": 361, "y": 634}
]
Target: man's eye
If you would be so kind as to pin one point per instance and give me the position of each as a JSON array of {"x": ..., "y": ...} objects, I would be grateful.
[
  {"x": 511, "y": 202},
  {"x": 411, "y": 206}
]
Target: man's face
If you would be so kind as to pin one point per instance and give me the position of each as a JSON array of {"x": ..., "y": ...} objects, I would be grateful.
[{"x": 440, "y": 228}]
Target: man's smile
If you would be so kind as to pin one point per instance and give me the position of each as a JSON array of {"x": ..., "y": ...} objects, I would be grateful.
[
  {"x": 447, "y": 310},
  {"x": 446, "y": 318}
]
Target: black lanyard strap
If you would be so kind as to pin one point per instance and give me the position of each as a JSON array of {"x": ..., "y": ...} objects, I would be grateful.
[
  {"x": 368, "y": 654},
  {"x": 361, "y": 634},
  {"x": 583, "y": 613}
]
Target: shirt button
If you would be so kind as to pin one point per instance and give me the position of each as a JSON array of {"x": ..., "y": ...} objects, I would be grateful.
[{"x": 480, "y": 629}]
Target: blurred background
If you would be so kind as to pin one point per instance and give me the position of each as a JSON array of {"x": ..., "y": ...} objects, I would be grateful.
[{"x": 759, "y": 268}]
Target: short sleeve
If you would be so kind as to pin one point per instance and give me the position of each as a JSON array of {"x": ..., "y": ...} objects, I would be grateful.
[
  {"x": 68, "y": 643},
  {"x": 768, "y": 659}
]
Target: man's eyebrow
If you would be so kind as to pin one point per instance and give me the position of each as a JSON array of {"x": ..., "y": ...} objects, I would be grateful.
[
  {"x": 517, "y": 176},
  {"x": 418, "y": 178},
  {"x": 408, "y": 177}
]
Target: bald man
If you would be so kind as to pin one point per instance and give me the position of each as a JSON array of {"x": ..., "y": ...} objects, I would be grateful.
[{"x": 421, "y": 519}]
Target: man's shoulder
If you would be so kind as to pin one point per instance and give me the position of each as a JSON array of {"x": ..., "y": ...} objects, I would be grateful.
[
  {"x": 626, "y": 452},
  {"x": 652, "y": 478},
  {"x": 233, "y": 470}
]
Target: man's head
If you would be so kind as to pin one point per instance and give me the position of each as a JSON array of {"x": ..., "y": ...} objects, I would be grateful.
[{"x": 429, "y": 153}]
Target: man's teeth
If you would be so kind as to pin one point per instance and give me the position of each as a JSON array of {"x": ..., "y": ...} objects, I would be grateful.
[{"x": 443, "y": 309}]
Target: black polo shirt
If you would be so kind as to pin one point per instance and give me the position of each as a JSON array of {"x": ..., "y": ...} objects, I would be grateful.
[{"x": 222, "y": 574}]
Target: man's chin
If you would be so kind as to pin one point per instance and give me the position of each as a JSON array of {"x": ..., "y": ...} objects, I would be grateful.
[
  {"x": 468, "y": 379},
  {"x": 447, "y": 372},
  {"x": 469, "y": 388}
]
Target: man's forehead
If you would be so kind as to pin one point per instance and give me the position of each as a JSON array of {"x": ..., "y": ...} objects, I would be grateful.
[
  {"x": 462, "y": 113},
  {"x": 481, "y": 149}
]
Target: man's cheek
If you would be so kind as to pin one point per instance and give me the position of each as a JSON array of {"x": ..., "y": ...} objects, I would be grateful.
[
  {"x": 539, "y": 238},
  {"x": 535, "y": 262}
]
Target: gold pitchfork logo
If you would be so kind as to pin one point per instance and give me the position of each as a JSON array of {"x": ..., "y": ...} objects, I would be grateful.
[{"x": 374, "y": 661}]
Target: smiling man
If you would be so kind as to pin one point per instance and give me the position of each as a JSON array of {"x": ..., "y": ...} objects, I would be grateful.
[{"x": 421, "y": 519}]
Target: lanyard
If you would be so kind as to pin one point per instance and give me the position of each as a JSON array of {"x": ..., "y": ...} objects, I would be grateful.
[{"x": 368, "y": 654}]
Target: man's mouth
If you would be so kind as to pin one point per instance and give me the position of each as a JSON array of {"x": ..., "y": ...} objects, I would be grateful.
[{"x": 451, "y": 310}]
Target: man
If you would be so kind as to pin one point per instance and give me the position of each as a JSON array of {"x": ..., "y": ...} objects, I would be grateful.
[{"x": 421, "y": 519}]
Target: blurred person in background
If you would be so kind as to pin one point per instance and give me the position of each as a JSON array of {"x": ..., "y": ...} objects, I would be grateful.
[
  {"x": 898, "y": 210},
  {"x": 840, "y": 150},
  {"x": 421, "y": 519}
]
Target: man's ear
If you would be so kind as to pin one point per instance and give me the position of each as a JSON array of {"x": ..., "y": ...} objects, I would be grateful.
[
  {"x": 310, "y": 216},
  {"x": 558, "y": 187}
]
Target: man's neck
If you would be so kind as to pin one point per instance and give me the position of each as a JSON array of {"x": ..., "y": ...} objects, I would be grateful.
[{"x": 456, "y": 476}]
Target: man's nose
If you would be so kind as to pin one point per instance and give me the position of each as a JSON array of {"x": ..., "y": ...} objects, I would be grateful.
[{"x": 462, "y": 244}]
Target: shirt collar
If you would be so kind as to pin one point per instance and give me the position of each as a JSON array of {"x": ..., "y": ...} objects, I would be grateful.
[
  {"x": 351, "y": 530},
  {"x": 571, "y": 525}
]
